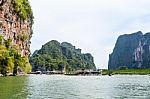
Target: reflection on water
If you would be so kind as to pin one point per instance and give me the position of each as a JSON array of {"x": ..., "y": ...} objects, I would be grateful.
[
  {"x": 75, "y": 87},
  {"x": 13, "y": 87}
]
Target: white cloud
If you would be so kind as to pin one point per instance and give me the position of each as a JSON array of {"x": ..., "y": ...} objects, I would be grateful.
[{"x": 92, "y": 25}]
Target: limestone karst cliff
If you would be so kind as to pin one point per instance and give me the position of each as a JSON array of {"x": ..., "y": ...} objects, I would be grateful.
[
  {"x": 16, "y": 19},
  {"x": 61, "y": 56},
  {"x": 131, "y": 51}
]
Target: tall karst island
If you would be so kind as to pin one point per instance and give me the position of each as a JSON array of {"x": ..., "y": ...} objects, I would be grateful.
[
  {"x": 61, "y": 57},
  {"x": 16, "y": 19},
  {"x": 132, "y": 51}
]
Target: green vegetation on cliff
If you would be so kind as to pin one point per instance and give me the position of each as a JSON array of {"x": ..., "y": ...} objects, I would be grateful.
[
  {"x": 22, "y": 8},
  {"x": 64, "y": 56},
  {"x": 11, "y": 59}
]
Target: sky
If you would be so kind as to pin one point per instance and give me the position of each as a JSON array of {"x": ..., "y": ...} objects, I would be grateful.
[{"x": 92, "y": 25}]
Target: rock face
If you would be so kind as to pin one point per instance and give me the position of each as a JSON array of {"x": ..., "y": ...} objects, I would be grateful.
[
  {"x": 16, "y": 21},
  {"x": 61, "y": 56},
  {"x": 131, "y": 51}
]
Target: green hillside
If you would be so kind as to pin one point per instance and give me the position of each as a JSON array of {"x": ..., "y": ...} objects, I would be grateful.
[{"x": 62, "y": 57}]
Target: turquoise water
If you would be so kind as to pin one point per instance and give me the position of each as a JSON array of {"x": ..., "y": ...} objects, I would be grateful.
[{"x": 75, "y": 87}]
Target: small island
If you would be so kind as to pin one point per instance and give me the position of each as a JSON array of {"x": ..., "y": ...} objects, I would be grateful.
[{"x": 62, "y": 58}]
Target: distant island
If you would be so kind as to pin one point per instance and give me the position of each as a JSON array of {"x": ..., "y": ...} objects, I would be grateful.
[
  {"x": 61, "y": 57},
  {"x": 131, "y": 54}
]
